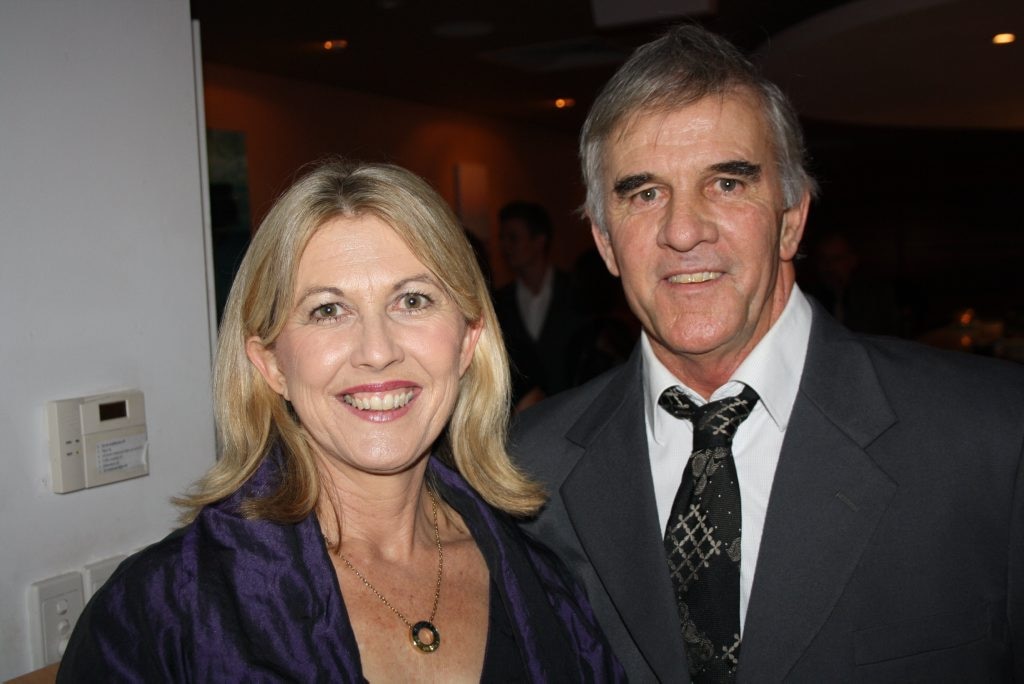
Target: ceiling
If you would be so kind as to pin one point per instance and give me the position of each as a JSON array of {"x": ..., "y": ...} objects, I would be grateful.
[
  {"x": 905, "y": 63},
  {"x": 883, "y": 62}
]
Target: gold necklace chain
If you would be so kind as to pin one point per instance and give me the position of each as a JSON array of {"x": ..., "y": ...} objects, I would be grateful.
[{"x": 423, "y": 625}]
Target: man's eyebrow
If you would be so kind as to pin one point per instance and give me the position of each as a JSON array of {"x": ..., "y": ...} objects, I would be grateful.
[
  {"x": 626, "y": 185},
  {"x": 738, "y": 167}
]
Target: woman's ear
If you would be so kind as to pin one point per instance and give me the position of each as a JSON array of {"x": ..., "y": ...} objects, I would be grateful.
[
  {"x": 265, "y": 361},
  {"x": 469, "y": 340}
]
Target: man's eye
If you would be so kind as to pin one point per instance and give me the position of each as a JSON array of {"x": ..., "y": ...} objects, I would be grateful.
[
  {"x": 728, "y": 184},
  {"x": 647, "y": 196}
]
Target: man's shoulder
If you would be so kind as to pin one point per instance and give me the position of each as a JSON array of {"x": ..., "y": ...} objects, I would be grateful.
[
  {"x": 505, "y": 295},
  {"x": 562, "y": 280},
  {"x": 547, "y": 438},
  {"x": 834, "y": 348},
  {"x": 915, "y": 363},
  {"x": 559, "y": 412},
  {"x": 565, "y": 290},
  {"x": 506, "y": 290},
  {"x": 948, "y": 389}
]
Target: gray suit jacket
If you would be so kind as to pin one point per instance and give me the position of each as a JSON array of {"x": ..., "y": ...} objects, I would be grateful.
[{"x": 893, "y": 547}]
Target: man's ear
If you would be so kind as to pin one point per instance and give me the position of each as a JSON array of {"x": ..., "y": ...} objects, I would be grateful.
[
  {"x": 604, "y": 246},
  {"x": 793, "y": 221},
  {"x": 265, "y": 361}
]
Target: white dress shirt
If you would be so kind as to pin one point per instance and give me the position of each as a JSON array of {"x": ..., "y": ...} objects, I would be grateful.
[
  {"x": 533, "y": 308},
  {"x": 773, "y": 369}
]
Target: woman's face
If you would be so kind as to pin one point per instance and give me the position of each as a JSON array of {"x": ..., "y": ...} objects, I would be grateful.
[{"x": 372, "y": 350}]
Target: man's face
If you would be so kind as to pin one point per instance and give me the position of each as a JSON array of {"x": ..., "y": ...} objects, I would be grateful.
[
  {"x": 519, "y": 248},
  {"x": 697, "y": 229}
]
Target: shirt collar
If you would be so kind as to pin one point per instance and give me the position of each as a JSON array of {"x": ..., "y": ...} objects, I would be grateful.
[
  {"x": 773, "y": 369},
  {"x": 546, "y": 285}
]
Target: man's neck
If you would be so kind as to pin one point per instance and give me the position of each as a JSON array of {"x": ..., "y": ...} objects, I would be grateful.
[
  {"x": 703, "y": 376},
  {"x": 706, "y": 372},
  {"x": 532, "y": 276}
]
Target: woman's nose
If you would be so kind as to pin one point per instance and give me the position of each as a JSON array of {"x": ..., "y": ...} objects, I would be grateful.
[{"x": 376, "y": 346}]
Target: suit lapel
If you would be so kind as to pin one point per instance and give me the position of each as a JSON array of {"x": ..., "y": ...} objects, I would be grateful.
[
  {"x": 610, "y": 501},
  {"x": 827, "y": 498}
]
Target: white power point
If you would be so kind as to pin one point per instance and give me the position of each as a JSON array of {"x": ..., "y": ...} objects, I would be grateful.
[
  {"x": 99, "y": 572},
  {"x": 54, "y": 607}
]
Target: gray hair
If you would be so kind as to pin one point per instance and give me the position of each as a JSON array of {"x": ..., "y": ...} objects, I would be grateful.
[{"x": 684, "y": 65}]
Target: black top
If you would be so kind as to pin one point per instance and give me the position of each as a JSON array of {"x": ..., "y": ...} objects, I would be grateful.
[{"x": 503, "y": 661}]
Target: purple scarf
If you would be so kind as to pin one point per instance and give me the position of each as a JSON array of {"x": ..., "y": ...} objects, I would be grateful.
[{"x": 229, "y": 599}]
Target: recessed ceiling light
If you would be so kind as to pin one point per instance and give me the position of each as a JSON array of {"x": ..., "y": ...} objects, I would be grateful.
[
  {"x": 336, "y": 44},
  {"x": 1003, "y": 38},
  {"x": 564, "y": 102}
]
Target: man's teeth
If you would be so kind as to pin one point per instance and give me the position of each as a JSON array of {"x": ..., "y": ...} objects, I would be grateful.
[
  {"x": 379, "y": 402},
  {"x": 702, "y": 277}
]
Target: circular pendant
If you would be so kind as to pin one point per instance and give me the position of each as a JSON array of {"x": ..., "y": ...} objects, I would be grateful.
[{"x": 435, "y": 641}]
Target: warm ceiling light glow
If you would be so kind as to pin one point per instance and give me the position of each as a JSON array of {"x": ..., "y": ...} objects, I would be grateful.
[
  {"x": 339, "y": 44},
  {"x": 564, "y": 102},
  {"x": 1003, "y": 38}
]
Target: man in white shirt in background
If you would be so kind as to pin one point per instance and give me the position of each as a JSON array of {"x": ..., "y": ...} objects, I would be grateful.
[{"x": 537, "y": 311}]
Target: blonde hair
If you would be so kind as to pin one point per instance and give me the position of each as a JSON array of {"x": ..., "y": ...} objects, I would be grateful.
[{"x": 252, "y": 418}]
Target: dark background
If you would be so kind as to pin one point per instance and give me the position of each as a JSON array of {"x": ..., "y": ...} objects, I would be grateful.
[{"x": 914, "y": 120}]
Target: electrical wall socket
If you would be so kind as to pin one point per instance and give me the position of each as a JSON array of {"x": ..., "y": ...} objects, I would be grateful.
[
  {"x": 95, "y": 574},
  {"x": 54, "y": 607}
]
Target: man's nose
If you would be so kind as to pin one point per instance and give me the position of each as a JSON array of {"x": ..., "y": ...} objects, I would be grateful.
[{"x": 687, "y": 223}]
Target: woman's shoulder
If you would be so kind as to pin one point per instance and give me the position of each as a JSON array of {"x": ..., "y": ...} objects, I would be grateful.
[
  {"x": 145, "y": 577},
  {"x": 156, "y": 564},
  {"x": 144, "y": 602}
]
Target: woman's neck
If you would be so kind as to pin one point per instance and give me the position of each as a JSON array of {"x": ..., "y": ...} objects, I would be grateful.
[{"x": 389, "y": 516}]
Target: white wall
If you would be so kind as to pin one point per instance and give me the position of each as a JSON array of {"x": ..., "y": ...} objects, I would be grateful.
[{"x": 102, "y": 275}]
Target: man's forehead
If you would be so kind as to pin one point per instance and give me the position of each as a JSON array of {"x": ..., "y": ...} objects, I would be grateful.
[
  {"x": 717, "y": 129},
  {"x": 732, "y": 113}
]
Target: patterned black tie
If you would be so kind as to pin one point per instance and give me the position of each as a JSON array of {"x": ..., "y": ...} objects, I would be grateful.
[{"x": 702, "y": 538}]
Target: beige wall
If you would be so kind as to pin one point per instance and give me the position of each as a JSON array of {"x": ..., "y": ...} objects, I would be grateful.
[{"x": 289, "y": 123}]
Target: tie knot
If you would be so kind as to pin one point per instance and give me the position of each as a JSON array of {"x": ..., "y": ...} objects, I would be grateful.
[{"x": 714, "y": 423}]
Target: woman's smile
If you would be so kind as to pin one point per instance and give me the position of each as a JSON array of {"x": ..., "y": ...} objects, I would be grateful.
[{"x": 373, "y": 350}]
